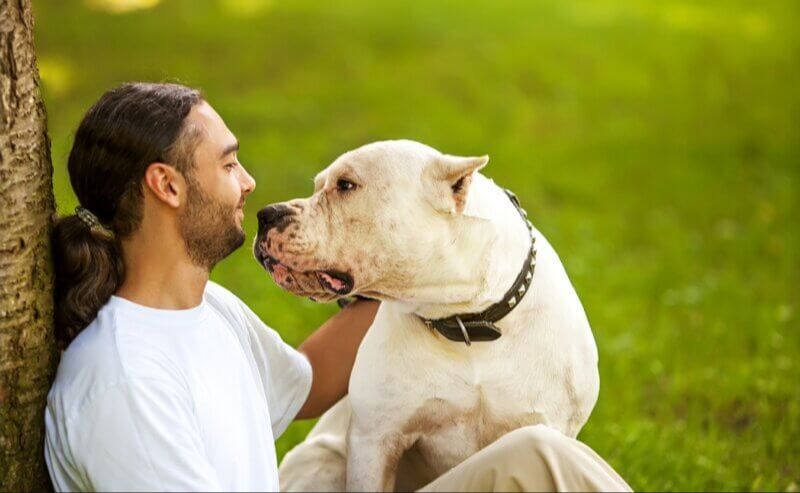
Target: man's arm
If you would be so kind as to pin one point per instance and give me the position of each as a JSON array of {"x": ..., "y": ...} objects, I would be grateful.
[{"x": 332, "y": 352}]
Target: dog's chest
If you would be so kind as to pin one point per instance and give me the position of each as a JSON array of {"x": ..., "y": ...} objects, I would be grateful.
[
  {"x": 450, "y": 399},
  {"x": 449, "y": 429}
]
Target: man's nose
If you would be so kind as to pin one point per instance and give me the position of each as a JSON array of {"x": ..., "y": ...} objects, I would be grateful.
[
  {"x": 247, "y": 182},
  {"x": 273, "y": 216}
]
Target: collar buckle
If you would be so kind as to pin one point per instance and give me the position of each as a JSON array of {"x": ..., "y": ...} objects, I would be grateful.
[{"x": 467, "y": 341}]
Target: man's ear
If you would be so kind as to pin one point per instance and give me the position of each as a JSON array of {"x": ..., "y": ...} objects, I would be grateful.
[
  {"x": 166, "y": 184},
  {"x": 448, "y": 180}
]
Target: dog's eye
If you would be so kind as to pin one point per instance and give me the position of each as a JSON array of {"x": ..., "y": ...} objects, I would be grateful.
[{"x": 345, "y": 185}]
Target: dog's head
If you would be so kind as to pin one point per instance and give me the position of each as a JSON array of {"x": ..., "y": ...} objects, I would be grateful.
[{"x": 380, "y": 220}]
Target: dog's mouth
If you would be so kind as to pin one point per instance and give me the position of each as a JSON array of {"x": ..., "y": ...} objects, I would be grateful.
[
  {"x": 336, "y": 282},
  {"x": 331, "y": 281}
]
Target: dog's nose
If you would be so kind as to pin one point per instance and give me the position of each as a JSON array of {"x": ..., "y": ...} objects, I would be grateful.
[{"x": 272, "y": 216}]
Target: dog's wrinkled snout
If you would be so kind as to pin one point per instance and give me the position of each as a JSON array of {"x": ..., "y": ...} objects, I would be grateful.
[{"x": 272, "y": 216}]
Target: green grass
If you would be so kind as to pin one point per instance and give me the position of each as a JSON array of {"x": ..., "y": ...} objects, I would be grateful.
[{"x": 656, "y": 144}]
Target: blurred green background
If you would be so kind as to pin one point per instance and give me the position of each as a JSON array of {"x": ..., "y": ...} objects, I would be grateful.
[{"x": 656, "y": 144}]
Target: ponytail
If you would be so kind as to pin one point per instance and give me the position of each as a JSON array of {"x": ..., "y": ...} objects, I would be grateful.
[
  {"x": 88, "y": 270},
  {"x": 127, "y": 129}
]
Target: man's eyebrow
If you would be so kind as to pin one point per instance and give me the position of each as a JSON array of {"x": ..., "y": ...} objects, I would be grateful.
[{"x": 229, "y": 149}]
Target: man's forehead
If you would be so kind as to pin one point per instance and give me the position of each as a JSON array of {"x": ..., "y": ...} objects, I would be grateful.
[{"x": 216, "y": 133}]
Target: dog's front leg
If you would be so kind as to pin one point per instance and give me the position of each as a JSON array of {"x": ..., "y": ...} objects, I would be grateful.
[{"x": 372, "y": 459}]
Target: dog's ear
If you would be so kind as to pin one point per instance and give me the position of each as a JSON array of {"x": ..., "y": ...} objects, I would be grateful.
[{"x": 448, "y": 180}]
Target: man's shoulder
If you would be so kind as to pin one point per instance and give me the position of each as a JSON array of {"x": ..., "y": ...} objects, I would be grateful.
[
  {"x": 93, "y": 350},
  {"x": 112, "y": 350},
  {"x": 220, "y": 294},
  {"x": 226, "y": 303}
]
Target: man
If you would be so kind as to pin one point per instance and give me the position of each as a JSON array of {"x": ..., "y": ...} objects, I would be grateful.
[
  {"x": 173, "y": 384},
  {"x": 168, "y": 381}
]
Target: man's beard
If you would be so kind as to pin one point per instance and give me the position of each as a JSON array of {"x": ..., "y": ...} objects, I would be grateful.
[{"x": 208, "y": 228}]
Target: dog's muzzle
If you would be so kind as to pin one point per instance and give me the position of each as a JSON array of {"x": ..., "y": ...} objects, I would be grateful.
[{"x": 278, "y": 217}]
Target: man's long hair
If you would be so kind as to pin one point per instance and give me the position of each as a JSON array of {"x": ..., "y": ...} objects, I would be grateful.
[{"x": 129, "y": 128}]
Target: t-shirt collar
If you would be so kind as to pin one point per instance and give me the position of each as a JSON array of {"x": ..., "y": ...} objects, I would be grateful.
[{"x": 162, "y": 315}]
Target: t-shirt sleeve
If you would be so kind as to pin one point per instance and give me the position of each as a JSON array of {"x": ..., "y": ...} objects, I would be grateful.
[
  {"x": 285, "y": 372},
  {"x": 143, "y": 437}
]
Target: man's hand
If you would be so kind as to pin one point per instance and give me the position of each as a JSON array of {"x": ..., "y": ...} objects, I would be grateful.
[{"x": 332, "y": 352}]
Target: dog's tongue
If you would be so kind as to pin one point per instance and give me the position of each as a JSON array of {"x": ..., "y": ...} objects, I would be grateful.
[{"x": 336, "y": 284}]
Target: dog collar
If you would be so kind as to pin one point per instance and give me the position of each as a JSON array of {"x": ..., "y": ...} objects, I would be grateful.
[{"x": 481, "y": 326}]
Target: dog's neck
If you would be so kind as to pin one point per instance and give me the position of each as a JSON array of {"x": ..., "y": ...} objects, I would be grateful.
[{"x": 490, "y": 245}]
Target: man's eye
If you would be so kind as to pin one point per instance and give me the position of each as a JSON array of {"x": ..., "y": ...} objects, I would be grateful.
[
  {"x": 345, "y": 185},
  {"x": 230, "y": 166}
]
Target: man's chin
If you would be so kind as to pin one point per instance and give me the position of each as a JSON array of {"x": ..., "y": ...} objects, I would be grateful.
[
  {"x": 237, "y": 238},
  {"x": 208, "y": 252}
]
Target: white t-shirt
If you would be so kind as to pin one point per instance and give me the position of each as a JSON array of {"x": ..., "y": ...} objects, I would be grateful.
[{"x": 149, "y": 399}]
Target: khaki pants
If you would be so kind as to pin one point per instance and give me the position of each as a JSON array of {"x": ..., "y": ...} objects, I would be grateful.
[{"x": 534, "y": 458}]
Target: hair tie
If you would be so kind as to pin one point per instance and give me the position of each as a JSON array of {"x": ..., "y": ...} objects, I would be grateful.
[{"x": 89, "y": 219}]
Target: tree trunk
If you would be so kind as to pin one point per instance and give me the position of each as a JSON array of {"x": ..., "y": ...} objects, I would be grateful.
[{"x": 27, "y": 345}]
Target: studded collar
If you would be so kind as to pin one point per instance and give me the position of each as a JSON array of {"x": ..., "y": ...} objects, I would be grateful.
[{"x": 481, "y": 326}]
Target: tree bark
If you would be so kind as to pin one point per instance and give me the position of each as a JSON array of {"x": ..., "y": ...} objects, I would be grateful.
[{"x": 28, "y": 352}]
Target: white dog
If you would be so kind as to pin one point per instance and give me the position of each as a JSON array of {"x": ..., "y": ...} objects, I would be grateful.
[{"x": 433, "y": 239}]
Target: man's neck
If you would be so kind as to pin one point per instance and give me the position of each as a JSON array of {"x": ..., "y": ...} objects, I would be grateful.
[{"x": 161, "y": 276}]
